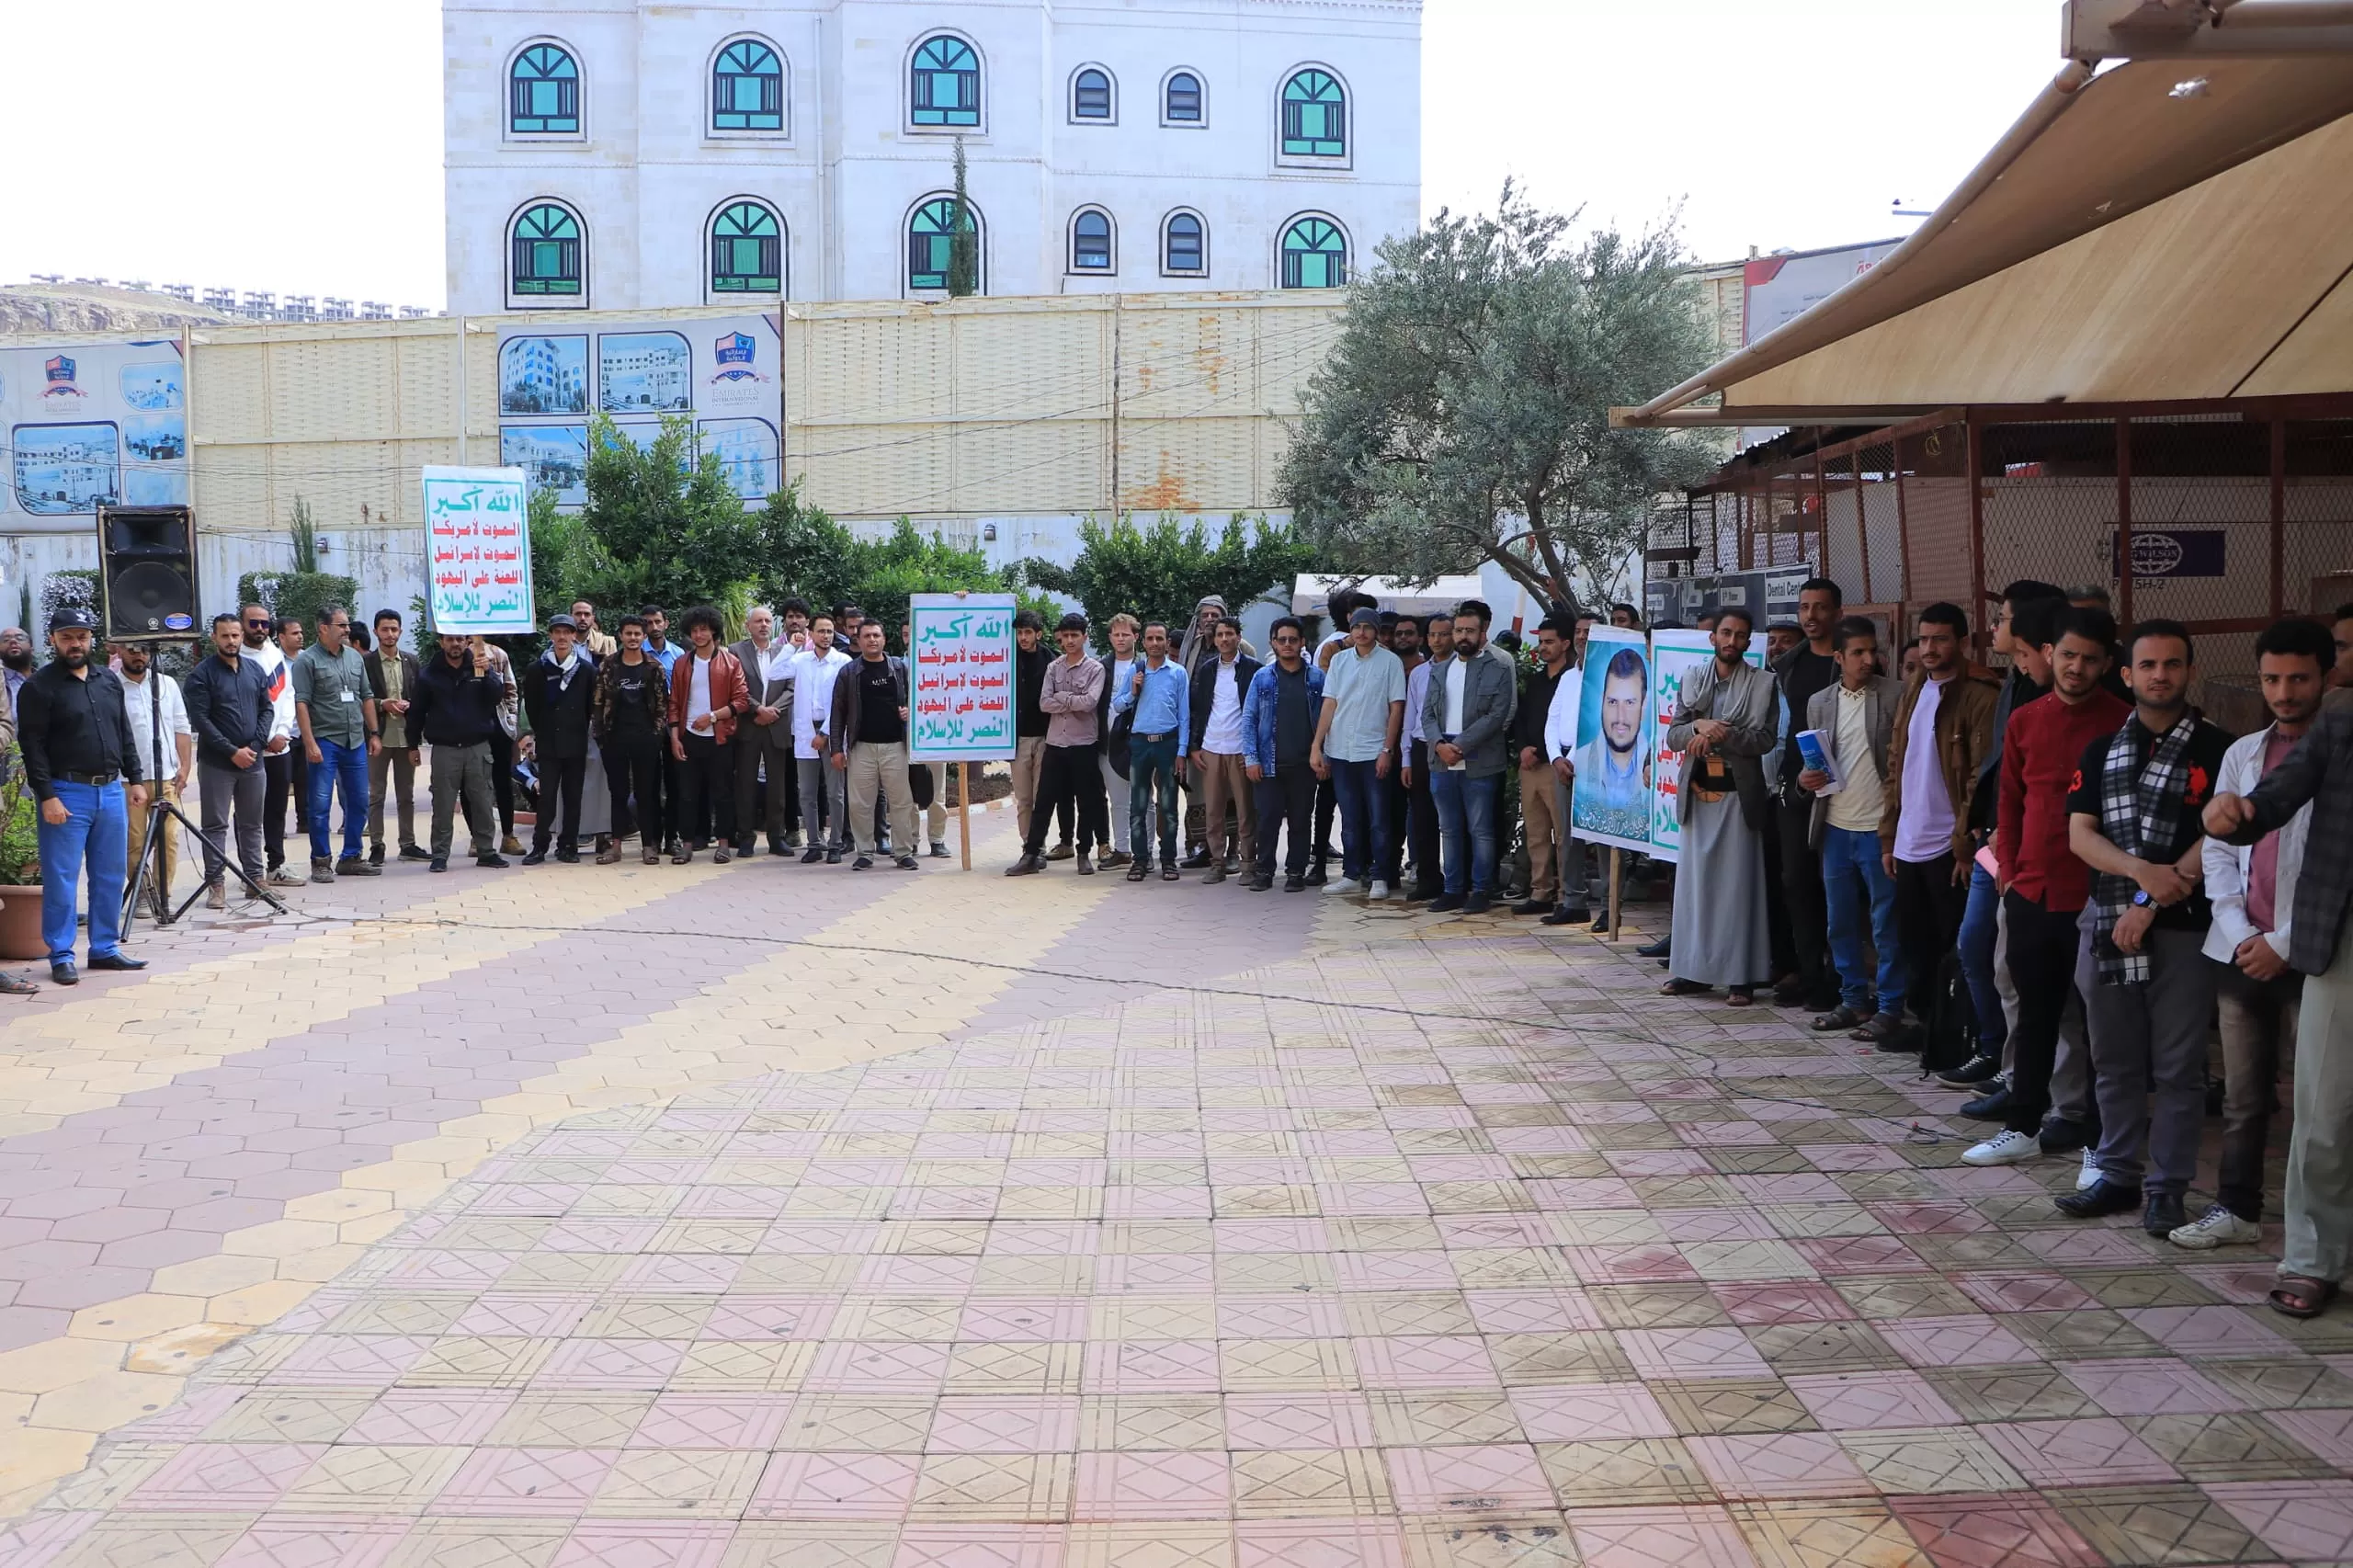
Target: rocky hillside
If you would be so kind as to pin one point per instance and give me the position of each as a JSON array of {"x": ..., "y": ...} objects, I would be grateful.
[{"x": 41, "y": 308}]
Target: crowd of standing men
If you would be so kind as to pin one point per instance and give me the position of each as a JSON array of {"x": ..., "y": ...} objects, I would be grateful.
[{"x": 2064, "y": 867}]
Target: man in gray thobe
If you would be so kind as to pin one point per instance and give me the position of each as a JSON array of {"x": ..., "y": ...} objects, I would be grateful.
[{"x": 1725, "y": 724}]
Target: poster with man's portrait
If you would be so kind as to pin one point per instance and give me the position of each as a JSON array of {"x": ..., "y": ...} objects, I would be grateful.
[{"x": 1610, "y": 803}]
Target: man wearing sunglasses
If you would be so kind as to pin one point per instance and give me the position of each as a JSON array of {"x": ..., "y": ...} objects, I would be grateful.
[{"x": 277, "y": 758}]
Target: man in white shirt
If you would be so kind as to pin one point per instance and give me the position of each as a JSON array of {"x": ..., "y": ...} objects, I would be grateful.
[
  {"x": 1219, "y": 684},
  {"x": 145, "y": 690},
  {"x": 2253, "y": 887},
  {"x": 260, "y": 627},
  {"x": 825, "y": 791}
]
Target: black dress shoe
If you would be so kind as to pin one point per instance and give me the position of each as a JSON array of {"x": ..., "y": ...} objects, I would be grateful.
[
  {"x": 1028, "y": 866},
  {"x": 810, "y": 856},
  {"x": 2165, "y": 1214},
  {"x": 493, "y": 862},
  {"x": 2061, "y": 1136},
  {"x": 1970, "y": 1074},
  {"x": 1658, "y": 950},
  {"x": 116, "y": 961},
  {"x": 2103, "y": 1196},
  {"x": 63, "y": 973},
  {"x": 1790, "y": 996},
  {"x": 536, "y": 858},
  {"x": 1294, "y": 885},
  {"x": 1317, "y": 876},
  {"x": 1197, "y": 859},
  {"x": 1532, "y": 906},
  {"x": 1994, "y": 1106},
  {"x": 1565, "y": 915}
]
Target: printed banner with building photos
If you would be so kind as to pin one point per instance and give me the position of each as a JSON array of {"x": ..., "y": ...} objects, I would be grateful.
[
  {"x": 720, "y": 372},
  {"x": 94, "y": 425}
]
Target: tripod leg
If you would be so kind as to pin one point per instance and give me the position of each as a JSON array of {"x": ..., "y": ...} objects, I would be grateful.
[
  {"x": 148, "y": 845},
  {"x": 220, "y": 848}
]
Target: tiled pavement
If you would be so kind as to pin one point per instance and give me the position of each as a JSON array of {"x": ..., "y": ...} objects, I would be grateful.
[{"x": 1153, "y": 1226}]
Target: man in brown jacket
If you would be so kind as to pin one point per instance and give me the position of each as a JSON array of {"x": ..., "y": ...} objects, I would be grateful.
[
  {"x": 707, "y": 695},
  {"x": 1942, "y": 734}
]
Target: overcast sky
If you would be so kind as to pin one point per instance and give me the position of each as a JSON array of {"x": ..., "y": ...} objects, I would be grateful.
[{"x": 288, "y": 145}]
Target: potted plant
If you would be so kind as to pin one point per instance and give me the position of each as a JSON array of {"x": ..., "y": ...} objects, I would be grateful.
[{"x": 20, "y": 934}]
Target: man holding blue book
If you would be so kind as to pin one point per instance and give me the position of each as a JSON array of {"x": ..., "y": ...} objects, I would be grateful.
[{"x": 1844, "y": 745}]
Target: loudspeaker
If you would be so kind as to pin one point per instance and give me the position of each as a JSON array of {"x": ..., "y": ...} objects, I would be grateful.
[{"x": 147, "y": 571}]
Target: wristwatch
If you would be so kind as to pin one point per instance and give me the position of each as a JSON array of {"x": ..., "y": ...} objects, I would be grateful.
[{"x": 2140, "y": 899}]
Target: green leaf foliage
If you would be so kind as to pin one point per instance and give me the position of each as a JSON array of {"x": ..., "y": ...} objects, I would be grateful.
[
  {"x": 1463, "y": 415},
  {"x": 1161, "y": 571}
]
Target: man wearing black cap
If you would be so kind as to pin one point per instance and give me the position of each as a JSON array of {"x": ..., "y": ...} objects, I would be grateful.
[
  {"x": 1069, "y": 694},
  {"x": 558, "y": 693},
  {"x": 76, "y": 736}
]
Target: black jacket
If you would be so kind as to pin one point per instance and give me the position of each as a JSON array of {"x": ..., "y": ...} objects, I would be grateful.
[
  {"x": 1029, "y": 683},
  {"x": 560, "y": 712},
  {"x": 453, "y": 706},
  {"x": 1205, "y": 676},
  {"x": 1535, "y": 707},
  {"x": 69, "y": 724},
  {"x": 841, "y": 729},
  {"x": 229, "y": 708}
]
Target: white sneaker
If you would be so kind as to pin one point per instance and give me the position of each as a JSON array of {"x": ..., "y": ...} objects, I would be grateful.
[
  {"x": 2008, "y": 1147},
  {"x": 1378, "y": 891},
  {"x": 1342, "y": 884},
  {"x": 2088, "y": 1177},
  {"x": 2219, "y": 1228}
]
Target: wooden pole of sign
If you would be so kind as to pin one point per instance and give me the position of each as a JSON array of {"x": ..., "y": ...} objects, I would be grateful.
[
  {"x": 1617, "y": 907},
  {"x": 964, "y": 808}
]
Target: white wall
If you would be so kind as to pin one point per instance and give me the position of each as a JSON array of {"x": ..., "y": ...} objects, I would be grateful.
[{"x": 645, "y": 174}]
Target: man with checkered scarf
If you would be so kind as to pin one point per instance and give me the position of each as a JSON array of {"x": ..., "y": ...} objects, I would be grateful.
[{"x": 2133, "y": 819}]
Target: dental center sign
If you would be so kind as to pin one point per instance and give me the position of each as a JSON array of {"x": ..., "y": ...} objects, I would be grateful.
[
  {"x": 478, "y": 551},
  {"x": 961, "y": 660}
]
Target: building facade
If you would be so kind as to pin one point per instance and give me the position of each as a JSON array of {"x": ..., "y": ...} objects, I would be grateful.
[{"x": 620, "y": 155}]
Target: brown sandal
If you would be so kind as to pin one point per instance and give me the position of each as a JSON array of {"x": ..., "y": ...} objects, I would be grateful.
[{"x": 2301, "y": 1296}]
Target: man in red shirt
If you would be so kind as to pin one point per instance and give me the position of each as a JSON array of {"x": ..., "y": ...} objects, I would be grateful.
[{"x": 2043, "y": 886}]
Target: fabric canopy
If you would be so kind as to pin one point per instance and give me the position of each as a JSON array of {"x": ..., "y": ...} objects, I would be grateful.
[{"x": 2165, "y": 230}]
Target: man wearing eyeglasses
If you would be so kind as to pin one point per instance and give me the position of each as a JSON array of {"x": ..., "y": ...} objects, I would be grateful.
[{"x": 278, "y": 757}]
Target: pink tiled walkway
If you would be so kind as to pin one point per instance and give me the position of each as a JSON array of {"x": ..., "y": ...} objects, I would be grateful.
[{"x": 1418, "y": 1244}]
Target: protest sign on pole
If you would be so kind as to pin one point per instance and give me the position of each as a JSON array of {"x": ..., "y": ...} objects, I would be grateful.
[
  {"x": 477, "y": 551},
  {"x": 1675, "y": 656},
  {"x": 961, "y": 659},
  {"x": 1610, "y": 800}
]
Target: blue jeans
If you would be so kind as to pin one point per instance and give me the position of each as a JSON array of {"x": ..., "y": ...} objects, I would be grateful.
[
  {"x": 96, "y": 829},
  {"x": 1152, "y": 777},
  {"x": 1978, "y": 931},
  {"x": 1466, "y": 819},
  {"x": 346, "y": 765},
  {"x": 1852, "y": 872},
  {"x": 1363, "y": 799}
]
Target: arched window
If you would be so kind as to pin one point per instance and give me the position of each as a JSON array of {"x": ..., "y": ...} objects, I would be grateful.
[
  {"x": 1315, "y": 116},
  {"x": 933, "y": 235},
  {"x": 746, "y": 250},
  {"x": 1090, "y": 241},
  {"x": 543, "y": 93},
  {"x": 747, "y": 88},
  {"x": 1090, "y": 95},
  {"x": 945, "y": 84},
  {"x": 1185, "y": 245},
  {"x": 1183, "y": 99},
  {"x": 1315, "y": 255},
  {"x": 548, "y": 261}
]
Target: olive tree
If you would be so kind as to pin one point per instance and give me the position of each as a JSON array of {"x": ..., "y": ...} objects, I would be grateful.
[{"x": 1464, "y": 414}]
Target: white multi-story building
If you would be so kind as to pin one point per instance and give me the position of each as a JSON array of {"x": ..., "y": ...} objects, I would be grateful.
[{"x": 623, "y": 154}]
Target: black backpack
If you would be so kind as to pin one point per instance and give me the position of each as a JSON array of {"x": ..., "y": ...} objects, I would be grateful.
[{"x": 1949, "y": 1021}]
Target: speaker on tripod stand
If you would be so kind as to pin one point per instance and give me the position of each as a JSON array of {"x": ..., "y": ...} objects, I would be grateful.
[{"x": 147, "y": 572}]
